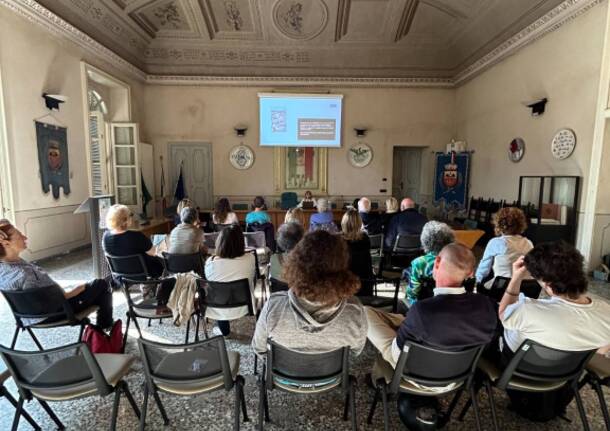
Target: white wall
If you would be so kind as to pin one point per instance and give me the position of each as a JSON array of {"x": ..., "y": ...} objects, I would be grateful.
[{"x": 563, "y": 66}]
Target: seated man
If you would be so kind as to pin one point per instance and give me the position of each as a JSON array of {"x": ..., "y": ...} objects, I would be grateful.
[
  {"x": 569, "y": 319},
  {"x": 187, "y": 238},
  {"x": 407, "y": 221},
  {"x": 371, "y": 222},
  {"x": 452, "y": 320}
]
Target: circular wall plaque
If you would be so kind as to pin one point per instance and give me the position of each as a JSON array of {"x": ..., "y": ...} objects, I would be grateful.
[
  {"x": 360, "y": 155},
  {"x": 300, "y": 19},
  {"x": 516, "y": 149},
  {"x": 241, "y": 157},
  {"x": 563, "y": 143}
]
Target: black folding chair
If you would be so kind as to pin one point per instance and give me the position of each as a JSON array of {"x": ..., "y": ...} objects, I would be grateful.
[
  {"x": 67, "y": 373},
  {"x": 209, "y": 240},
  {"x": 598, "y": 375},
  {"x": 428, "y": 372},
  {"x": 406, "y": 248},
  {"x": 276, "y": 285},
  {"x": 535, "y": 368},
  {"x": 181, "y": 263},
  {"x": 49, "y": 305},
  {"x": 376, "y": 250},
  {"x": 530, "y": 288},
  {"x": 190, "y": 369},
  {"x": 306, "y": 373},
  {"x": 4, "y": 376}
]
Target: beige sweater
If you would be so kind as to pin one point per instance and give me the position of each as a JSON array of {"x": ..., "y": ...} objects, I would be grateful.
[{"x": 182, "y": 299}]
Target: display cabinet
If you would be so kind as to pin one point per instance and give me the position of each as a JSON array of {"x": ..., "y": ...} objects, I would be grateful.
[{"x": 550, "y": 204}]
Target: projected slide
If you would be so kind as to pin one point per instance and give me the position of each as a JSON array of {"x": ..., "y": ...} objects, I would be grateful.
[{"x": 300, "y": 120}]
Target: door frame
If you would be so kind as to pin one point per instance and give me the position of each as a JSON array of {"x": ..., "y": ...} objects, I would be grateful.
[
  {"x": 422, "y": 168},
  {"x": 170, "y": 161}
]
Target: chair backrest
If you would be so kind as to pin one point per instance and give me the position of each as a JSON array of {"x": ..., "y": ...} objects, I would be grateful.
[
  {"x": 435, "y": 367},
  {"x": 530, "y": 288},
  {"x": 166, "y": 363},
  {"x": 305, "y": 370},
  {"x": 255, "y": 239},
  {"x": 268, "y": 230},
  {"x": 426, "y": 289},
  {"x": 276, "y": 285},
  {"x": 406, "y": 244},
  {"x": 288, "y": 200},
  {"x": 132, "y": 266},
  {"x": 240, "y": 206},
  {"x": 376, "y": 244},
  {"x": 218, "y": 227},
  {"x": 181, "y": 263},
  {"x": 40, "y": 303},
  {"x": 209, "y": 239},
  {"x": 228, "y": 294},
  {"x": 533, "y": 361},
  {"x": 59, "y": 368}
]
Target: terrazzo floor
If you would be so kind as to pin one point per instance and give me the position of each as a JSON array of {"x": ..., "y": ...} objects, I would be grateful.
[{"x": 214, "y": 411}]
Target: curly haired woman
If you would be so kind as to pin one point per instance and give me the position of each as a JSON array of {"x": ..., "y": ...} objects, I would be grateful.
[
  {"x": 501, "y": 252},
  {"x": 319, "y": 313}
]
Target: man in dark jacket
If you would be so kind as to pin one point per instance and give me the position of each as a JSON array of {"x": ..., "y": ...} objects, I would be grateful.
[
  {"x": 407, "y": 221},
  {"x": 371, "y": 222}
]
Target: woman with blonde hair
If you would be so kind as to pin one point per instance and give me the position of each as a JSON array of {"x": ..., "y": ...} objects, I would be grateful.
[
  {"x": 295, "y": 215},
  {"x": 184, "y": 203},
  {"x": 359, "y": 246},
  {"x": 501, "y": 252}
]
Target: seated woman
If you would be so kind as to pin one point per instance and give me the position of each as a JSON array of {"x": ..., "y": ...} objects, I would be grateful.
[
  {"x": 186, "y": 238},
  {"x": 295, "y": 215},
  {"x": 230, "y": 263},
  {"x": 308, "y": 200},
  {"x": 569, "y": 319},
  {"x": 120, "y": 241},
  {"x": 434, "y": 236},
  {"x": 323, "y": 219},
  {"x": 503, "y": 251},
  {"x": 223, "y": 214},
  {"x": 184, "y": 203},
  {"x": 319, "y": 313},
  {"x": 288, "y": 236},
  {"x": 359, "y": 246},
  {"x": 17, "y": 274},
  {"x": 391, "y": 209},
  {"x": 259, "y": 215}
]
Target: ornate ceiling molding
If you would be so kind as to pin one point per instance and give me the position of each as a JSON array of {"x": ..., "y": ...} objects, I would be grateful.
[
  {"x": 562, "y": 14},
  {"x": 36, "y": 13}
]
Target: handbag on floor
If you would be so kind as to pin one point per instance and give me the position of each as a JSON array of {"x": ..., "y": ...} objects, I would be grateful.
[{"x": 100, "y": 342}]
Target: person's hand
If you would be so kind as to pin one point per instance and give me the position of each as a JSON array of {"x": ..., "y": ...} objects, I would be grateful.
[{"x": 519, "y": 270}]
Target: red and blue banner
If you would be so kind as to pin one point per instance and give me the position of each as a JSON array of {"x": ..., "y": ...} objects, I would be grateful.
[{"x": 451, "y": 178}]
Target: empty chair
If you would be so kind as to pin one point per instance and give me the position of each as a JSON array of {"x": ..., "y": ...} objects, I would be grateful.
[
  {"x": 181, "y": 263},
  {"x": 535, "y": 368},
  {"x": 376, "y": 251},
  {"x": 406, "y": 248},
  {"x": 209, "y": 239},
  {"x": 598, "y": 375},
  {"x": 190, "y": 369},
  {"x": 232, "y": 296},
  {"x": 306, "y": 373},
  {"x": 288, "y": 200},
  {"x": 35, "y": 305},
  {"x": 428, "y": 372},
  {"x": 68, "y": 373},
  {"x": 4, "y": 376}
]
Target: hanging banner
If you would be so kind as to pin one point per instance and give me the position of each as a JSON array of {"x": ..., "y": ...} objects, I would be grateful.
[
  {"x": 53, "y": 158},
  {"x": 451, "y": 177}
]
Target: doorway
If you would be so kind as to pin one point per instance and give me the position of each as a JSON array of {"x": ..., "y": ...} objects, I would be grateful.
[
  {"x": 196, "y": 161},
  {"x": 406, "y": 177}
]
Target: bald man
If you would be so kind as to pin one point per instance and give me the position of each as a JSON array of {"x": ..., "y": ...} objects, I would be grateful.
[
  {"x": 407, "y": 221},
  {"x": 452, "y": 320}
]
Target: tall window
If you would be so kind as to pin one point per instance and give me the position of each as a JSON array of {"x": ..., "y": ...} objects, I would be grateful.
[{"x": 97, "y": 111}]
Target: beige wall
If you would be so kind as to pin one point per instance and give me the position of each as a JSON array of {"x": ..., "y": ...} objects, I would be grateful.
[
  {"x": 563, "y": 66},
  {"x": 32, "y": 62},
  {"x": 395, "y": 117}
]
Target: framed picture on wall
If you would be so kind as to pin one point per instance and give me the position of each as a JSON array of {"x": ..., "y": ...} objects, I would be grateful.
[{"x": 300, "y": 168}]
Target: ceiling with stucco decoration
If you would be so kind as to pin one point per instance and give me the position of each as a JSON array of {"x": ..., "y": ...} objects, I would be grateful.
[{"x": 299, "y": 38}]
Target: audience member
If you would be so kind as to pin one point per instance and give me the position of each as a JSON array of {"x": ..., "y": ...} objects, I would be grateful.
[
  {"x": 569, "y": 319},
  {"x": 295, "y": 215},
  {"x": 371, "y": 222},
  {"x": 503, "y": 251},
  {"x": 407, "y": 221},
  {"x": 223, "y": 214},
  {"x": 319, "y": 313},
  {"x": 288, "y": 236},
  {"x": 434, "y": 237},
  {"x": 359, "y": 246},
  {"x": 17, "y": 274},
  {"x": 323, "y": 219},
  {"x": 259, "y": 215},
  {"x": 308, "y": 200},
  {"x": 230, "y": 263},
  {"x": 118, "y": 240},
  {"x": 186, "y": 238},
  {"x": 391, "y": 209},
  {"x": 184, "y": 203},
  {"x": 452, "y": 320}
]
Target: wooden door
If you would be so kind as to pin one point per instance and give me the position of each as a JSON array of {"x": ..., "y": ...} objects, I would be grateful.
[
  {"x": 406, "y": 176},
  {"x": 196, "y": 162}
]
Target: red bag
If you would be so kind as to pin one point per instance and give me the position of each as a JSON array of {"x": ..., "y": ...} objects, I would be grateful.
[{"x": 100, "y": 342}]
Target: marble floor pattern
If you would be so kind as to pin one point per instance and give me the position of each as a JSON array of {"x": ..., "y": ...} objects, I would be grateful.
[{"x": 214, "y": 411}]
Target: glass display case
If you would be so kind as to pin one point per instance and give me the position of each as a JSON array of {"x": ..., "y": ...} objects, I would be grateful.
[{"x": 550, "y": 205}]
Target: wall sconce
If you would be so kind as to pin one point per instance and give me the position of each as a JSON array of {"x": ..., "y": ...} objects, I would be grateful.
[
  {"x": 240, "y": 131},
  {"x": 360, "y": 131}
]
